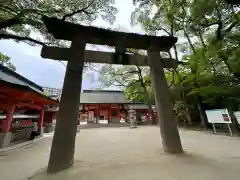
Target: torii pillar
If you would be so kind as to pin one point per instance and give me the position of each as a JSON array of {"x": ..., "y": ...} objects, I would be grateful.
[
  {"x": 168, "y": 126},
  {"x": 63, "y": 145}
]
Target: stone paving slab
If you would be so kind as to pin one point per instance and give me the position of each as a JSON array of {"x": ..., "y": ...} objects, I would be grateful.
[{"x": 132, "y": 154}]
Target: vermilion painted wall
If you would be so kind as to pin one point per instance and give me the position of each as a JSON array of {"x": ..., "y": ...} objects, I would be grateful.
[{"x": 103, "y": 110}]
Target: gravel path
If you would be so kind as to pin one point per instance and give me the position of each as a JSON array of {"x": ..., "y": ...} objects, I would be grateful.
[{"x": 131, "y": 154}]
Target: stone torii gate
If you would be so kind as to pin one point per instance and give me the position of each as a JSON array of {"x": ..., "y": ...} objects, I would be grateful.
[{"x": 63, "y": 145}]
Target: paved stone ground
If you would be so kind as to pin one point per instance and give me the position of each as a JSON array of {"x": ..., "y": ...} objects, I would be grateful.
[
  {"x": 20, "y": 144},
  {"x": 130, "y": 154}
]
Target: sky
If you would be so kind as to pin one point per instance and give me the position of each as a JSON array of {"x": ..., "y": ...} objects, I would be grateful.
[{"x": 50, "y": 73}]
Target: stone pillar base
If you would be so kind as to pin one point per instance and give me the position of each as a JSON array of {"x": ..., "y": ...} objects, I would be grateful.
[
  {"x": 78, "y": 128},
  {"x": 41, "y": 132},
  {"x": 5, "y": 139}
]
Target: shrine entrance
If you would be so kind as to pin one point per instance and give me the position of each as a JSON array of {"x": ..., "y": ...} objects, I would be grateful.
[{"x": 63, "y": 145}]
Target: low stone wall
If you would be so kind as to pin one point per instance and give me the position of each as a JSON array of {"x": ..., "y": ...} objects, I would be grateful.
[
  {"x": 22, "y": 134},
  {"x": 89, "y": 126},
  {"x": 49, "y": 128}
]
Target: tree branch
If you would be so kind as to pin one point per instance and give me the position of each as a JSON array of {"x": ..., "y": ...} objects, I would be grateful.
[
  {"x": 159, "y": 29},
  {"x": 16, "y": 20},
  {"x": 133, "y": 93},
  {"x": 140, "y": 77},
  {"x": 208, "y": 24},
  {"x": 173, "y": 80},
  {"x": 79, "y": 11},
  {"x": 19, "y": 38},
  {"x": 10, "y": 22},
  {"x": 231, "y": 26},
  {"x": 8, "y": 9},
  {"x": 219, "y": 30},
  {"x": 119, "y": 83},
  {"x": 92, "y": 68},
  {"x": 127, "y": 72},
  {"x": 133, "y": 82}
]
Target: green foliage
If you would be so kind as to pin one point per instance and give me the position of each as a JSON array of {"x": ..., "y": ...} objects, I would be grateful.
[
  {"x": 20, "y": 18},
  {"x": 134, "y": 80},
  {"x": 5, "y": 61},
  {"x": 211, "y": 28},
  {"x": 119, "y": 76},
  {"x": 135, "y": 92},
  {"x": 45, "y": 92}
]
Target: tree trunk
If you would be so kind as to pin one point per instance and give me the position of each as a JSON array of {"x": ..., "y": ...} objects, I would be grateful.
[
  {"x": 190, "y": 42},
  {"x": 234, "y": 119},
  {"x": 201, "y": 40},
  {"x": 150, "y": 111},
  {"x": 182, "y": 98},
  {"x": 182, "y": 94},
  {"x": 199, "y": 101},
  {"x": 202, "y": 115},
  {"x": 175, "y": 52},
  {"x": 188, "y": 116}
]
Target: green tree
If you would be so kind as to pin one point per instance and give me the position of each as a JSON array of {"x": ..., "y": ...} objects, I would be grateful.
[
  {"x": 163, "y": 21},
  {"x": 5, "y": 61},
  {"x": 211, "y": 31},
  {"x": 21, "y": 20},
  {"x": 134, "y": 81}
]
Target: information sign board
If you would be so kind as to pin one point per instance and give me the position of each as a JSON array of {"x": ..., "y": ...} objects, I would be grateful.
[{"x": 218, "y": 116}]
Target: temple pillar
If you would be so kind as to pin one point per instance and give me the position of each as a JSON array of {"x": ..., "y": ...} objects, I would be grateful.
[
  {"x": 98, "y": 114},
  {"x": 9, "y": 117},
  {"x": 41, "y": 116},
  {"x": 63, "y": 144},
  {"x": 5, "y": 135},
  {"x": 109, "y": 114},
  {"x": 168, "y": 126}
]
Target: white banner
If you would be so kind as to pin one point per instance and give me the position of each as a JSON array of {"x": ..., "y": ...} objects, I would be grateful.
[
  {"x": 218, "y": 116},
  {"x": 237, "y": 115}
]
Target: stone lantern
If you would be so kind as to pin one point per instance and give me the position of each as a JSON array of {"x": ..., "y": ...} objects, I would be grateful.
[{"x": 132, "y": 118}]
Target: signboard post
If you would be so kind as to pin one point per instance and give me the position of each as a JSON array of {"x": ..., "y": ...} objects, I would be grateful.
[
  {"x": 214, "y": 129},
  {"x": 237, "y": 116},
  {"x": 219, "y": 116}
]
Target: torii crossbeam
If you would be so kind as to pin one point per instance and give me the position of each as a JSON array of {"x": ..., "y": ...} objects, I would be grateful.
[
  {"x": 63, "y": 145},
  {"x": 63, "y": 54}
]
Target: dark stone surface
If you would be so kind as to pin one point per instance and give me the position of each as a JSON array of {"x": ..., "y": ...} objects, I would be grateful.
[{"x": 68, "y": 31}]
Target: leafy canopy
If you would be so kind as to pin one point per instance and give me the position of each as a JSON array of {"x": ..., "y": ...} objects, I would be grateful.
[
  {"x": 5, "y": 61},
  {"x": 22, "y": 19}
]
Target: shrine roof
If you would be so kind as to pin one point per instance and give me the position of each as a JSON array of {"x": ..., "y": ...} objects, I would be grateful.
[
  {"x": 13, "y": 80},
  {"x": 68, "y": 31},
  {"x": 12, "y": 77},
  {"x": 102, "y": 97}
]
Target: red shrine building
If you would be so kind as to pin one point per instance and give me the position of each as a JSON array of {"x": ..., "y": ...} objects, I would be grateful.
[
  {"x": 21, "y": 102},
  {"x": 100, "y": 106},
  {"x": 97, "y": 107}
]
